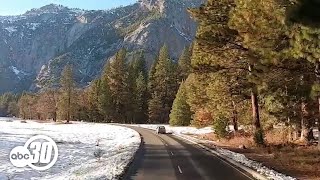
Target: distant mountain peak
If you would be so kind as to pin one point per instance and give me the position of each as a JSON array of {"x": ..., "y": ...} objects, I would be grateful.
[
  {"x": 53, "y": 6},
  {"x": 153, "y": 4},
  {"x": 50, "y": 8}
]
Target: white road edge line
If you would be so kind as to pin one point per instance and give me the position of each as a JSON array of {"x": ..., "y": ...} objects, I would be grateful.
[{"x": 180, "y": 170}]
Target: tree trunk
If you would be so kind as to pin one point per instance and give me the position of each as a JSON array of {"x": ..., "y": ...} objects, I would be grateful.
[
  {"x": 289, "y": 129},
  {"x": 304, "y": 129},
  {"x": 258, "y": 134},
  {"x": 319, "y": 123},
  {"x": 255, "y": 110},
  {"x": 255, "y": 103},
  {"x": 55, "y": 116},
  {"x": 235, "y": 117},
  {"x": 317, "y": 73},
  {"x": 318, "y": 134},
  {"x": 68, "y": 117},
  {"x": 69, "y": 107}
]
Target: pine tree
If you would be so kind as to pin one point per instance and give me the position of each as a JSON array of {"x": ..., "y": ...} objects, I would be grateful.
[
  {"x": 106, "y": 105},
  {"x": 47, "y": 104},
  {"x": 215, "y": 54},
  {"x": 180, "y": 114},
  {"x": 82, "y": 112},
  {"x": 141, "y": 101},
  {"x": 304, "y": 24},
  {"x": 229, "y": 43},
  {"x": 139, "y": 65},
  {"x": 155, "y": 109},
  {"x": 164, "y": 87},
  {"x": 262, "y": 43},
  {"x": 67, "y": 97},
  {"x": 184, "y": 64},
  {"x": 119, "y": 86},
  {"x": 9, "y": 104},
  {"x": 227, "y": 94},
  {"x": 94, "y": 92},
  {"x": 138, "y": 83},
  {"x": 151, "y": 78},
  {"x": 23, "y": 102}
]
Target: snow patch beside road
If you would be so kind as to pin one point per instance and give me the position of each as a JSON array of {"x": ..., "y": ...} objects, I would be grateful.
[
  {"x": 178, "y": 130},
  {"x": 77, "y": 146}
]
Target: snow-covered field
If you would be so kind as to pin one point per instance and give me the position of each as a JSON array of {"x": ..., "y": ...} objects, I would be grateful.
[
  {"x": 240, "y": 158},
  {"x": 76, "y": 143}
]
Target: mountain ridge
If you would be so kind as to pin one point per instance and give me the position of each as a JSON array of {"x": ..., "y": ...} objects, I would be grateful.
[{"x": 36, "y": 45}]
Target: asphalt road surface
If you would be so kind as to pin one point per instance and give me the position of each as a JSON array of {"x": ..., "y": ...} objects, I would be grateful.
[{"x": 166, "y": 157}]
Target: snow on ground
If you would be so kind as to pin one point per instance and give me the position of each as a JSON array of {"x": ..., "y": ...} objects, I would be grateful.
[
  {"x": 33, "y": 26},
  {"x": 178, "y": 130},
  {"x": 11, "y": 29},
  {"x": 76, "y": 143},
  {"x": 184, "y": 131},
  {"x": 315, "y": 133},
  {"x": 15, "y": 70}
]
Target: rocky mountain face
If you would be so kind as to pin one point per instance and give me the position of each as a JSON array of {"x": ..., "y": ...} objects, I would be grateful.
[{"x": 35, "y": 46}]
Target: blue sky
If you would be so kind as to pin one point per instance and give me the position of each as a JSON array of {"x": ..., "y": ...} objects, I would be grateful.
[{"x": 15, "y": 7}]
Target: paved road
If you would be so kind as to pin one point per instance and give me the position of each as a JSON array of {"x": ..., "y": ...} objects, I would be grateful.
[{"x": 166, "y": 157}]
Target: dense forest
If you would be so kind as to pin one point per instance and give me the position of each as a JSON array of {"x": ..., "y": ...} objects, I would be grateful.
[
  {"x": 125, "y": 93},
  {"x": 254, "y": 63}
]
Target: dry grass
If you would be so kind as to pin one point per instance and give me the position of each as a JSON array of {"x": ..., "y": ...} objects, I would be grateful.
[
  {"x": 234, "y": 140},
  {"x": 277, "y": 136},
  {"x": 302, "y": 162}
]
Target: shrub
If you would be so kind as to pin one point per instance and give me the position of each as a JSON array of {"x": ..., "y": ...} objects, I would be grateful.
[
  {"x": 202, "y": 118},
  {"x": 180, "y": 114},
  {"x": 219, "y": 126},
  {"x": 259, "y": 137}
]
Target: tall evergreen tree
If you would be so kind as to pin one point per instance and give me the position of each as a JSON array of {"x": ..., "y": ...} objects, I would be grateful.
[
  {"x": 47, "y": 104},
  {"x": 263, "y": 43},
  {"x": 94, "y": 92},
  {"x": 23, "y": 101},
  {"x": 67, "y": 97},
  {"x": 119, "y": 86},
  {"x": 304, "y": 22},
  {"x": 106, "y": 106},
  {"x": 184, "y": 64},
  {"x": 165, "y": 86},
  {"x": 180, "y": 114},
  {"x": 155, "y": 109},
  {"x": 228, "y": 42},
  {"x": 151, "y": 78},
  {"x": 141, "y": 101},
  {"x": 9, "y": 104},
  {"x": 139, "y": 65},
  {"x": 138, "y": 76},
  {"x": 215, "y": 54}
]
